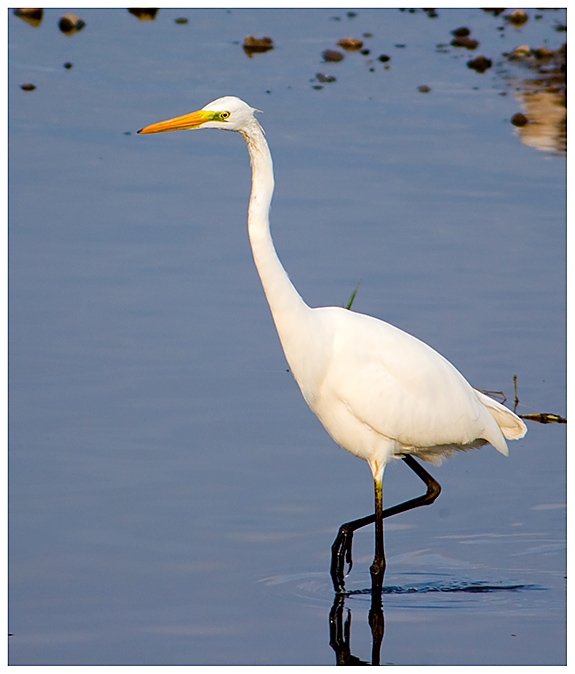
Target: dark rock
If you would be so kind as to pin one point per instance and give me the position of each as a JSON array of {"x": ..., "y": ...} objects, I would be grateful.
[
  {"x": 144, "y": 13},
  {"x": 31, "y": 15},
  {"x": 257, "y": 45},
  {"x": 465, "y": 41},
  {"x": 350, "y": 44},
  {"x": 480, "y": 64},
  {"x": 332, "y": 55},
  {"x": 519, "y": 119},
  {"x": 71, "y": 24}
]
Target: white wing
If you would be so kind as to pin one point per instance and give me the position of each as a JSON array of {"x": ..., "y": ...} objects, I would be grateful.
[{"x": 407, "y": 392}]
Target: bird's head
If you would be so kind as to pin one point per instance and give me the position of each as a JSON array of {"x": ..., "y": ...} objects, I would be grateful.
[{"x": 229, "y": 113}]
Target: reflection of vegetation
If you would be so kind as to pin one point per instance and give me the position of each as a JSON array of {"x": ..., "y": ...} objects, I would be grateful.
[{"x": 543, "y": 97}]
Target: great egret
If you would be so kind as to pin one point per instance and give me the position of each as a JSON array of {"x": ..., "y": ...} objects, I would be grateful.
[{"x": 380, "y": 393}]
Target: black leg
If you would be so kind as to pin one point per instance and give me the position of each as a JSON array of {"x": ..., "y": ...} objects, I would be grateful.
[
  {"x": 377, "y": 569},
  {"x": 341, "y": 548}
]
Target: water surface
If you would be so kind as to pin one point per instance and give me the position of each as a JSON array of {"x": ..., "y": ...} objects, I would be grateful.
[{"x": 172, "y": 499}]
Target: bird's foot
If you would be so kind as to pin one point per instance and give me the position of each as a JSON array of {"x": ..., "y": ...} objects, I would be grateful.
[{"x": 340, "y": 556}]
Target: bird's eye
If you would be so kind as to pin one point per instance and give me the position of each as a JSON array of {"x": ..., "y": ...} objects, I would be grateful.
[{"x": 224, "y": 115}]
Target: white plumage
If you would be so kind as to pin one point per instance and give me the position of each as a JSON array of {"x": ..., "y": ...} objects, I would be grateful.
[{"x": 380, "y": 393}]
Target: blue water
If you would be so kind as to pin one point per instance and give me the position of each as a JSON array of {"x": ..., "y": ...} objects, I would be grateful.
[{"x": 172, "y": 499}]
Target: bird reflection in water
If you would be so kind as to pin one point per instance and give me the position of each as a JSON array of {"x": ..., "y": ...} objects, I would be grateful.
[
  {"x": 340, "y": 619},
  {"x": 340, "y": 631}
]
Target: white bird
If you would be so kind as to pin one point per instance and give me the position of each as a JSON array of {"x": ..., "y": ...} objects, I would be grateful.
[{"x": 380, "y": 393}]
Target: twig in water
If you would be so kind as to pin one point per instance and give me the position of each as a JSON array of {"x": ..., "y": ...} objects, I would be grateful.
[
  {"x": 494, "y": 394},
  {"x": 544, "y": 418}
]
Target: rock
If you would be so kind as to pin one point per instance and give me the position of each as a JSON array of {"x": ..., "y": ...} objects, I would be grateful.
[
  {"x": 322, "y": 77},
  {"x": 480, "y": 64},
  {"x": 521, "y": 52},
  {"x": 257, "y": 45},
  {"x": 518, "y": 17},
  {"x": 332, "y": 55},
  {"x": 519, "y": 119},
  {"x": 465, "y": 41},
  {"x": 31, "y": 15},
  {"x": 144, "y": 13},
  {"x": 350, "y": 44},
  {"x": 543, "y": 53},
  {"x": 71, "y": 24}
]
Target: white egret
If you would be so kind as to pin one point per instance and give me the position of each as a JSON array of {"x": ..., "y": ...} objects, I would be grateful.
[{"x": 380, "y": 393}]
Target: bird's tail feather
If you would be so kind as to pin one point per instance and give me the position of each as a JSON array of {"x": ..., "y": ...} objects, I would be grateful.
[{"x": 510, "y": 424}]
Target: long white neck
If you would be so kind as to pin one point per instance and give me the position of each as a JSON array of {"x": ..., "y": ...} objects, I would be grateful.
[{"x": 287, "y": 307}]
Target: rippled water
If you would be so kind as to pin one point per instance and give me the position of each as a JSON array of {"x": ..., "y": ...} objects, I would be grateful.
[{"x": 172, "y": 499}]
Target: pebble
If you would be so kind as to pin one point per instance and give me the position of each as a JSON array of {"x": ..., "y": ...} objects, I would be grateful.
[
  {"x": 31, "y": 15},
  {"x": 523, "y": 51},
  {"x": 519, "y": 119},
  {"x": 70, "y": 24},
  {"x": 322, "y": 77},
  {"x": 465, "y": 41},
  {"x": 332, "y": 55},
  {"x": 350, "y": 44},
  {"x": 144, "y": 13},
  {"x": 480, "y": 64},
  {"x": 257, "y": 45},
  {"x": 518, "y": 17}
]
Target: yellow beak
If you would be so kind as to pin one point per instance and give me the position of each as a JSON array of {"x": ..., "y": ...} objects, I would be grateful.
[{"x": 193, "y": 120}]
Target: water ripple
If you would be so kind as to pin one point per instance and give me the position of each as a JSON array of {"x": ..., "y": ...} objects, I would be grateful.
[
  {"x": 316, "y": 587},
  {"x": 454, "y": 586}
]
